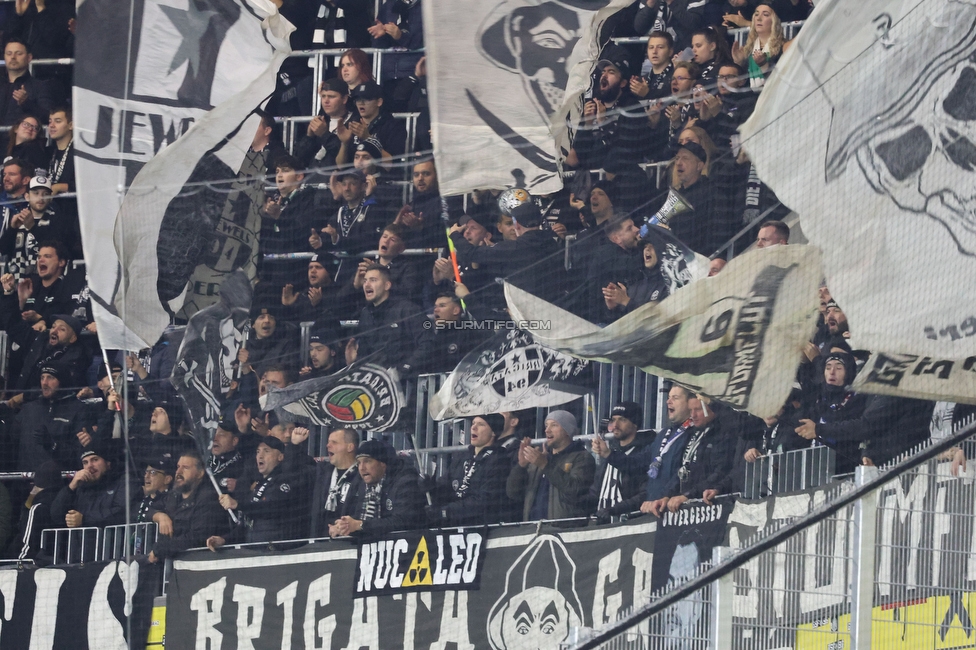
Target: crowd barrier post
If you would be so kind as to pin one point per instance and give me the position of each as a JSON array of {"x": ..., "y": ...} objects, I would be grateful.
[
  {"x": 863, "y": 566},
  {"x": 72, "y": 545}
]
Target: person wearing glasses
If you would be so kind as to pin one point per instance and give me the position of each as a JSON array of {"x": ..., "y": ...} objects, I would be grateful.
[
  {"x": 156, "y": 482},
  {"x": 23, "y": 143}
]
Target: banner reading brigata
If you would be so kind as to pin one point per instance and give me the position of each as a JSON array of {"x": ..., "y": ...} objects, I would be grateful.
[
  {"x": 79, "y": 606},
  {"x": 164, "y": 103}
]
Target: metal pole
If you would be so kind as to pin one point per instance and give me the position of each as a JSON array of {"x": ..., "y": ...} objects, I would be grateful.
[
  {"x": 862, "y": 574},
  {"x": 723, "y": 591}
]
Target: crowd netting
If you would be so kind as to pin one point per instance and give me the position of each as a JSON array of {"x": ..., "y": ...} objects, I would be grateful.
[{"x": 354, "y": 253}]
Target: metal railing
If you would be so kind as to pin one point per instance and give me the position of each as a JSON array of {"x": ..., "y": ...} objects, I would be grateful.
[
  {"x": 739, "y": 34},
  {"x": 290, "y": 132},
  {"x": 789, "y": 471},
  {"x": 124, "y": 540},
  {"x": 72, "y": 545}
]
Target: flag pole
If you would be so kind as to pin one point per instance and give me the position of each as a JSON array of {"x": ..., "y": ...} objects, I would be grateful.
[{"x": 454, "y": 262}]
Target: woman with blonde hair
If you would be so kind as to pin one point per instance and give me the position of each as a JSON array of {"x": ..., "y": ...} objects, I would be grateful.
[{"x": 763, "y": 47}]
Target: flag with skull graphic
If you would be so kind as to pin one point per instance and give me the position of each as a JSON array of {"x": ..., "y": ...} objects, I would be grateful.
[
  {"x": 503, "y": 84},
  {"x": 867, "y": 129}
]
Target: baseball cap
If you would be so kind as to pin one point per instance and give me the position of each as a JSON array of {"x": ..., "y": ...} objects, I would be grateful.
[
  {"x": 76, "y": 325},
  {"x": 273, "y": 442},
  {"x": 481, "y": 218},
  {"x": 40, "y": 181},
  {"x": 368, "y": 90},
  {"x": 617, "y": 57},
  {"x": 352, "y": 172},
  {"x": 166, "y": 464}
]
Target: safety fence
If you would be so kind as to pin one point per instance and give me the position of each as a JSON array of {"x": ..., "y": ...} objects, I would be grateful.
[
  {"x": 739, "y": 34},
  {"x": 95, "y": 544},
  {"x": 882, "y": 561}
]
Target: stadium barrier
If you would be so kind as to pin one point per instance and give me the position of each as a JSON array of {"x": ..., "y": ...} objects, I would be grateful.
[{"x": 739, "y": 34}]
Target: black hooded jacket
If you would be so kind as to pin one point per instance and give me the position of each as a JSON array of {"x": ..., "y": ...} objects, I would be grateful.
[
  {"x": 48, "y": 428},
  {"x": 475, "y": 491},
  {"x": 401, "y": 502}
]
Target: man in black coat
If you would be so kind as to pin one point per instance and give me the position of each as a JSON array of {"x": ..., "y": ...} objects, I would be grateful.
[
  {"x": 533, "y": 262},
  {"x": 389, "y": 326},
  {"x": 59, "y": 344},
  {"x": 335, "y": 483},
  {"x": 474, "y": 494},
  {"x": 20, "y": 93},
  {"x": 227, "y": 463},
  {"x": 616, "y": 259},
  {"x": 698, "y": 228},
  {"x": 389, "y": 498},
  {"x": 49, "y": 425},
  {"x": 616, "y": 491},
  {"x": 47, "y": 483},
  {"x": 94, "y": 497},
  {"x": 190, "y": 514}
]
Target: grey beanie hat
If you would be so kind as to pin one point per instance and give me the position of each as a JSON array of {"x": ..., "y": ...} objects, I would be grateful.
[{"x": 566, "y": 420}]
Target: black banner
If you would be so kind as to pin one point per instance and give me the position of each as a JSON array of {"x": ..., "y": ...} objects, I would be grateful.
[
  {"x": 78, "y": 607},
  {"x": 415, "y": 561},
  {"x": 535, "y": 586}
]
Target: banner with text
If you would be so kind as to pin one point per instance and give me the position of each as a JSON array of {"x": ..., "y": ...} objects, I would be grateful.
[{"x": 79, "y": 606}]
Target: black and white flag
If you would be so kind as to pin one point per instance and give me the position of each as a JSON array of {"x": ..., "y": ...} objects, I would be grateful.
[
  {"x": 508, "y": 372},
  {"x": 504, "y": 82},
  {"x": 867, "y": 129},
  {"x": 206, "y": 360},
  {"x": 735, "y": 337},
  {"x": 361, "y": 396},
  {"x": 164, "y": 100}
]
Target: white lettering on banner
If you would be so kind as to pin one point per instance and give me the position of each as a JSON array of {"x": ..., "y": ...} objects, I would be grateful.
[
  {"x": 454, "y": 623},
  {"x": 129, "y": 574},
  {"x": 48, "y": 583},
  {"x": 8, "y": 589},
  {"x": 250, "y": 614},
  {"x": 746, "y": 601},
  {"x": 207, "y": 603},
  {"x": 905, "y": 502},
  {"x": 365, "y": 628},
  {"x": 396, "y": 578},
  {"x": 692, "y": 516},
  {"x": 643, "y": 563},
  {"x": 319, "y": 593},
  {"x": 286, "y": 598},
  {"x": 827, "y": 539},
  {"x": 606, "y": 607},
  {"x": 457, "y": 559},
  {"x": 410, "y": 615},
  {"x": 104, "y": 629}
]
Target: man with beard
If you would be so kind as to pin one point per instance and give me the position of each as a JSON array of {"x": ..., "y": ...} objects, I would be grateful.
[
  {"x": 615, "y": 130},
  {"x": 618, "y": 492},
  {"x": 662, "y": 457},
  {"x": 836, "y": 321},
  {"x": 48, "y": 426},
  {"x": 37, "y": 222},
  {"x": 93, "y": 498},
  {"x": 474, "y": 493},
  {"x": 61, "y": 344},
  {"x": 190, "y": 514},
  {"x": 156, "y": 482},
  {"x": 552, "y": 483},
  {"x": 428, "y": 214},
  {"x": 335, "y": 483},
  {"x": 617, "y": 259}
]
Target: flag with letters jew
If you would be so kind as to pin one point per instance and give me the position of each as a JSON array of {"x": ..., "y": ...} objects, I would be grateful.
[{"x": 164, "y": 111}]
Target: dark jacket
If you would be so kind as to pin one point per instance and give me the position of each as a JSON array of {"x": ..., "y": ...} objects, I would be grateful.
[
  {"x": 475, "y": 491},
  {"x": 101, "y": 504},
  {"x": 676, "y": 436},
  {"x": 570, "y": 474},
  {"x": 698, "y": 228},
  {"x": 678, "y": 18},
  {"x": 323, "y": 513},
  {"x": 275, "y": 509},
  {"x": 401, "y": 502},
  {"x": 837, "y": 404},
  {"x": 889, "y": 426},
  {"x": 27, "y": 544},
  {"x": 195, "y": 518},
  {"x": 319, "y": 151},
  {"x": 227, "y": 466},
  {"x": 610, "y": 263},
  {"x": 533, "y": 262},
  {"x": 629, "y": 484},
  {"x": 623, "y": 141},
  {"x": 39, "y": 100},
  {"x": 393, "y": 328},
  {"x": 48, "y": 429},
  {"x": 706, "y": 461},
  {"x": 41, "y": 353},
  {"x": 287, "y": 234}
]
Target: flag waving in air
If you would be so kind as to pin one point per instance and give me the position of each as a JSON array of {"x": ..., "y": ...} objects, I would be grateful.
[{"x": 164, "y": 100}]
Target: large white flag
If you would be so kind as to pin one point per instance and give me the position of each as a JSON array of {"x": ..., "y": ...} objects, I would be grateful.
[
  {"x": 164, "y": 100},
  {"x": 503, "y": 78},
  {"x": 735, "y": 337},
  {"x": 866, "y": 130}
]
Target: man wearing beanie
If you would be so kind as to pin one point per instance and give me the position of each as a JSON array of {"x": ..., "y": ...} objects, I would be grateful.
[
  {"x": 47, "y": 484},
  {"x": 552, "y": 483},
  {"x": 474, "y": 493},
  {"x": 388, "y": 499},
  {"x": 319, "y": 299},
  {"x": 323, "y": 347},
  {"x": 617, "y": 491},
  {"x": 49, "y": 424},
  {"x": 94, "y": 497}
]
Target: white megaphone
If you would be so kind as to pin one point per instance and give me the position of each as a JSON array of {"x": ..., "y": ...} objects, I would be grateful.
[{"x": 674, "y": 205}]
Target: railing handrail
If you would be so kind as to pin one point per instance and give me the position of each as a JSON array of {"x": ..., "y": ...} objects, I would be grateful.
[
  {"x": 307, "y": 255},
  {"x": 339, "y": 51}
]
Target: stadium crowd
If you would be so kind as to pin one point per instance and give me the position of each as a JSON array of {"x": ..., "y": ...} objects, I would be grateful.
[{"x": 337, "y": 197}]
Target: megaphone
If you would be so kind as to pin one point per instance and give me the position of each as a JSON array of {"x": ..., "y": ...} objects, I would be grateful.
[{"x": 674, "y": 205}]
